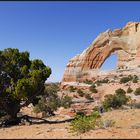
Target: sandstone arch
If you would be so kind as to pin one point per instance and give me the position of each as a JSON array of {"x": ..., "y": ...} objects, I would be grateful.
[{"x": 125, "y": 42}]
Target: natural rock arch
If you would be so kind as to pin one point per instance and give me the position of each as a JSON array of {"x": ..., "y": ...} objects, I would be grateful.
[{"x": 125, "y": 42}]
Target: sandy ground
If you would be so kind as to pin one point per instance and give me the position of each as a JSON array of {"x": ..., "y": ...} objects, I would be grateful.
[{"x": 127, "y": 126}]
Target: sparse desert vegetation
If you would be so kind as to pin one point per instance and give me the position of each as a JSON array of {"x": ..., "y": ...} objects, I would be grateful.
[
  {"x": 55, "y": 102},
  {"x": 87, "y": 103}
]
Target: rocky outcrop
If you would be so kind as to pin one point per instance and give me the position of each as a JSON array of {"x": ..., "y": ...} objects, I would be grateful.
[{"x": 124, "y": 42}]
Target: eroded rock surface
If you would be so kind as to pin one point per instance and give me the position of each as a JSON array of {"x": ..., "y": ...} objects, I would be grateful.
[{"x": 124, "y": 42}]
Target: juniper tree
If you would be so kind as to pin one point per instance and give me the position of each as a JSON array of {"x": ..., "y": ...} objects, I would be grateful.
[{"x": 21, "y": 80}]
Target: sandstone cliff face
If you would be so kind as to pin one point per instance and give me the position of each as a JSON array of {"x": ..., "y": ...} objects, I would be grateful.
[{"x": 124, "y": 42}]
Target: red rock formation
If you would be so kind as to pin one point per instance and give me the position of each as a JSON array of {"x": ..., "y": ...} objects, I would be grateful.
[{"x": 124, "y": 42}]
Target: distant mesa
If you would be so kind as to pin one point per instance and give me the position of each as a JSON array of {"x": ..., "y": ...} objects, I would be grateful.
[{"x": 125, "y": 43}]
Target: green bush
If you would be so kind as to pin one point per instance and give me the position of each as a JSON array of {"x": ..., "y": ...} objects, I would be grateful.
[
  {"x": 48, "y": 105},
  {"x": 93, "y": 89},
  {"x": 116, "y": 100},
  {"x": 88, "y": 97},
  {"x": 128, "y": 78},
  {"x": 66, "y": 101},
  {"x": 135, "y": 79},
  {"x": 81, "y": 113},
  {"x": 102, "y": 81},
  {"x": 125, "y": 79},
  {"x": 93, "y": 85},
  {"x": 96, "y": 108},
  {"x": 72, "y": 89},
  {"x": 83, "y": 123},
  {"x": 50, "y": 101},
  {"x": 89, "y": 82},
  {"x": 129, "y": 90},
  {"x": 98, "y": 83},
  {"x": 115, "y": 76},
  {"x": 105, "y": 81},
  {"x": 80, "y": 92},
  {"x": 120, "y": 91},
  {"x": 137, "y": 91},
  {"x": 51, "y": 88},
  {"x": 121, "y": 75}
]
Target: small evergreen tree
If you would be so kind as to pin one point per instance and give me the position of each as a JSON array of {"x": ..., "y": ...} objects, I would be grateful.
[
  {"x": 129, "y": 90},
  {"x": 93, "y": 89},
  {"x": 80, "y": 92},
  {"x": 137, "y": 91},
  {"x": 21, "y": 80},
  {"x": 116, "y": 100},
  {"x": 66, "y": 101}
]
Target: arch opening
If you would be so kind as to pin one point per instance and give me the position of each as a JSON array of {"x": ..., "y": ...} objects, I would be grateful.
[{"x": 110, "y": 63}]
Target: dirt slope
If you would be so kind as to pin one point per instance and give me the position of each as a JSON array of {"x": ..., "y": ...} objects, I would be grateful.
[{"x": 127, "y": 126}]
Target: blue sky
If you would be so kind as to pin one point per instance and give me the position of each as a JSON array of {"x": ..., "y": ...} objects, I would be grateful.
[{"x": 57, "y": 31}]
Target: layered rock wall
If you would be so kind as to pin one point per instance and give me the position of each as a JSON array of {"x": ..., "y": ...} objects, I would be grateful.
[{"x": 124, "y": 42}]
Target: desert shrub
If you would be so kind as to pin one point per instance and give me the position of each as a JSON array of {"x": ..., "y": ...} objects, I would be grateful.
[
  {"x": 105, "y": 81},
  {"x": 36, "y": 109},
  {"x": 135, "y": 79},
  {"x": 102, "y": 81},
  {"x": 96, "y": 108},
  {"x": 41, "y": 106},
  {"x": 80, "y": 92},
  {"x": 66, "y": 101},
  {"x": 98, "y": 83},
  {"x": 88, "y": 97},
  {"x": 50, "y": 101},
  {"x": 115, "y": 77},
  {"x": 93, "y": 89},
  {"x": 129, "y": 90},
  {"x": 120, "y": 91},
  {"x": 93, "y": 85},
  {"x": 137, "y": 91},
  {"x": 48, "y": 105},
  {"x": 121, "y": 75},
  {"x": 130, "y": 77},
  {"x": 89, "y": 82},
  {"x": 105, "y": 123},
  {"x": 81, "y": 113},
  {"x": 83, "y": 123},
  {"x": 72, "y": 89},
  {"x": 51, "y": 88},
  {"x": 112, "y": 81},
  {"x": 116, "y": 100},
  {"x": 125, "y": 79}
]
